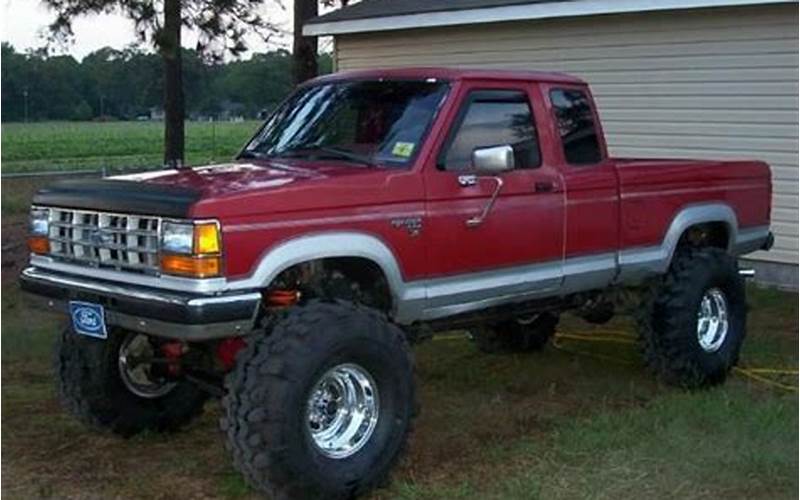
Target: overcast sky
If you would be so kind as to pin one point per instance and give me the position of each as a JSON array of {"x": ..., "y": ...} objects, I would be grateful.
[{"x": 23, "y": 21}]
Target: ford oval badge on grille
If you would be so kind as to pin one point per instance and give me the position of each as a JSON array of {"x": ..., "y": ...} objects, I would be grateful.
[
  {"x": 88, "y": 319},
  {"x": 100, "y": 238}
]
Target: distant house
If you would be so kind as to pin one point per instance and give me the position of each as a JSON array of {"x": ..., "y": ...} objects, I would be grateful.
[
  {"x": 681, "y": 78},
  {"x": 231, "y": 111},
  {"x": 157, "y": 113}
]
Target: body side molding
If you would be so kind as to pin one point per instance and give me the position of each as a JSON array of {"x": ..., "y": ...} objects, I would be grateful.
[{"x": 464, "y": 293}]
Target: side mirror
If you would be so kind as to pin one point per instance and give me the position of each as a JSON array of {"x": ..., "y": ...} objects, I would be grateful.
[{"x": 493, "y": 160}]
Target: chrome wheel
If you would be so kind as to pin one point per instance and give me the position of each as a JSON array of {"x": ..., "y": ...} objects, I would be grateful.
[
  {"x": 712, "y": 320},
  {"x": 136, "y": 368},
  {"x": 342, "y": 410}
]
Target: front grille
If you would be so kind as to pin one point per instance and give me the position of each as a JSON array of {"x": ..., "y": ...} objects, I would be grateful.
[{"x": 102, "y": 239}]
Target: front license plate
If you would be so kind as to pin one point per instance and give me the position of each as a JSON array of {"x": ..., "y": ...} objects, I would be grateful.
[{"x": 88, "y": 319}]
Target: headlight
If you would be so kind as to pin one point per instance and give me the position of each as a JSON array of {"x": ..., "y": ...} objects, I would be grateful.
[
  {"x": 177, "y": 237},
  {"x": 191, "y": 249},
  {"x": 38, "y": 241},
  {"x": 40, "y": 221}
]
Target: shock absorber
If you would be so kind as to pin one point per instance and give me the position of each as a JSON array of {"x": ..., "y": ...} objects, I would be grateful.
[
  {"x": 173, "y": 352},
  {"x": 272, "y": 299}
]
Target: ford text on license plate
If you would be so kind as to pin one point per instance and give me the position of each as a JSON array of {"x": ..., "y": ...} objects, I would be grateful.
[{"x": 88, "y": 319}]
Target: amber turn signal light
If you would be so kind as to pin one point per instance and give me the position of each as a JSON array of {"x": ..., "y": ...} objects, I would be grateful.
[
  {"x": 194, "y": 267},
  {"x": 206, "y": 238},
  {"x": 39, "y": 244}
]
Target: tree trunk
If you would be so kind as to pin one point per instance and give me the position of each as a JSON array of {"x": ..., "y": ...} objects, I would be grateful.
[
  {"x": 305, "y": 47},
  {"x": 173, "y": 84}
]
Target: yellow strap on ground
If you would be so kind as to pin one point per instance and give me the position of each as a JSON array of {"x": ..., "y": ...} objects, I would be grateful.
[
  {"x": 752, "y": 374},
  {"x": 558, "y": 345},
  {"x": 621, "y": 337},
  {"x": 772, "y": 370},
  {"x": 451, "y": 337},
  {"x": 591, "y": 337},
  {"x": 625, "y": 338}
]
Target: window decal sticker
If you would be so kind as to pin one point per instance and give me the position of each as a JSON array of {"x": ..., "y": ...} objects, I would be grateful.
[{"x": 403, "y": 149}]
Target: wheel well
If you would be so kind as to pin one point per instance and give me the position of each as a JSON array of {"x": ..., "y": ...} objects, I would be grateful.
[
  {"x": 349, "y": 278},
  {"x": 707, "y": 234}
]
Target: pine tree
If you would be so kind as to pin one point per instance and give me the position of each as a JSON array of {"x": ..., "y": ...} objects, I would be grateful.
[{"x": 221, "y": 25}]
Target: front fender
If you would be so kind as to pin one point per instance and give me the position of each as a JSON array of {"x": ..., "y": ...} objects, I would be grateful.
[{"x": 405, "y": 300}]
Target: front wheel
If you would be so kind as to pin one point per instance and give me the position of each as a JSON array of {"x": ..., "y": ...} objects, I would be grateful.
[
  {"x": 693, "y": 323},
  {"x": 109, "y": 384},
  {"x": 320, "y": 406}
]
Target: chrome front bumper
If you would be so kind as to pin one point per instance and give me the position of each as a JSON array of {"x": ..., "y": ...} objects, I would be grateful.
[{"x": 176, "y": 315}]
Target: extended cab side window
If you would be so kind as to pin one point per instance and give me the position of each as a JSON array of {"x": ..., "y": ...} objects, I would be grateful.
[
  {"x": 576, "y": 126},
  {"x": 492, "y": 118}
]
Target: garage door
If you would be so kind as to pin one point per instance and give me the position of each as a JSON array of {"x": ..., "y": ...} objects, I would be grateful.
[{"x": 709, "y": 83}]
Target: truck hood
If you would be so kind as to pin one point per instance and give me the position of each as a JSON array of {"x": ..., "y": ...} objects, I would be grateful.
[
  {"x": 234, "y": 178},
  {"x": 234, "y": 188}
]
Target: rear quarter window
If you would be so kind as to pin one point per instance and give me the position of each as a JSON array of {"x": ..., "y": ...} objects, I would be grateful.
[{"x": 576, "y": 126}]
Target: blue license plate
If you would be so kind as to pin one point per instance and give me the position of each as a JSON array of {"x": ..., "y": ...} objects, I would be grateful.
[{"x": 88, "y": 319}]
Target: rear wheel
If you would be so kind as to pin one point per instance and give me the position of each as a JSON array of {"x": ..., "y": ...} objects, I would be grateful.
[
  {"x": 693, "y": 322},
  {"x": 525, "y": 334},
  {"x": 321, "y": 406},
  {"x": 110, "y": 384}
]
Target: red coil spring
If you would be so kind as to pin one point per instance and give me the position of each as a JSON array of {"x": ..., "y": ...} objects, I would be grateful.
[{"x": 281, "y": 298}]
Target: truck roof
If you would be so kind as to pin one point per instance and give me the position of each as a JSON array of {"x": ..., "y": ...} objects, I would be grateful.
[{"x": 452, "y": 74}]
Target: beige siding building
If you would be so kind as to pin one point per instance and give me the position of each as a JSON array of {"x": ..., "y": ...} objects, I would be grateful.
[{"x": 686, "y": 78}]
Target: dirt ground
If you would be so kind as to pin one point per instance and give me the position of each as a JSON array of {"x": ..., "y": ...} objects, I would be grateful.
[{"x": 15, "y": 252}]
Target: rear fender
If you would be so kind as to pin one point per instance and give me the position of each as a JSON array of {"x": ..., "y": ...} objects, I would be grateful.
[{"x": 638, "y": 263}]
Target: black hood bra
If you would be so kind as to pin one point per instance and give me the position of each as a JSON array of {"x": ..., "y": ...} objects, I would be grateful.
[{"x": 119, "y": 196}]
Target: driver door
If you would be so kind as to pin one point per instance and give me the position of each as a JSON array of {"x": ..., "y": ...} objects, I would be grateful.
[{"x": 516, "y": 251}]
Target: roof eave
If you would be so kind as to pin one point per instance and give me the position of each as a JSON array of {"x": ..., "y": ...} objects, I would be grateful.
[{"x": 574, "y": 8}]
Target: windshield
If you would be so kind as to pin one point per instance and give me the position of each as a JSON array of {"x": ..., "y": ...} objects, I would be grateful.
[{"x": 361, "y": 121}]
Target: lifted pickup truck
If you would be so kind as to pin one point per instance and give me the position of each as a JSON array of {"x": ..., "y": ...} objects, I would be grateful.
[{"x": 373, "y": 209}]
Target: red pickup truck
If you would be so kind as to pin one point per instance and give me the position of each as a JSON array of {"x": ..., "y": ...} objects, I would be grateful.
[{"x": 373, "y": 209}]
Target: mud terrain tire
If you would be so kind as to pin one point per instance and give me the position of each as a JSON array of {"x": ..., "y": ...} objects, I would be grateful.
[
  {"x": 90, "y": 387},
  {"x": 670, "y": 325},
  {"x": 517, "y": 335},
  {"x": 268, "y": 418}
]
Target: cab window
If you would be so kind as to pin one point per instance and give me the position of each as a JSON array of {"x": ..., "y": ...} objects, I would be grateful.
[
  {"x": 492, "y": 118},
  {"x": 575, "y": 122}
]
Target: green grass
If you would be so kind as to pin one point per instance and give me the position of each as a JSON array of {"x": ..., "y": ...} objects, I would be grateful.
[
  {"x": 46, "y": 146},
  {"x": 26, "y": 335},
  {"x": 70, "y": 146},
  {"x": 723, "y": 444},
  {"x": 555, "y": 424},
  {"x": 17, "y": 193}
]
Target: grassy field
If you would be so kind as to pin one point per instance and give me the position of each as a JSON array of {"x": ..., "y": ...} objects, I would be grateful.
[
  {"x": 46, "y": 146},
  {"x": 581, "y": 420},
  {"x": 68, "y": 146}
]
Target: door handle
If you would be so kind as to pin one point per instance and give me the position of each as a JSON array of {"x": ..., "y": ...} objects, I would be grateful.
[
  {"x": 545, "y": 187},
  {"x": 477, "y": 220},
  {"x": 467, "y": 180}
]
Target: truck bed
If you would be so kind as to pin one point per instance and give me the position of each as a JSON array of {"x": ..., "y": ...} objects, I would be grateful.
[{"x": 652, "y": 191}]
